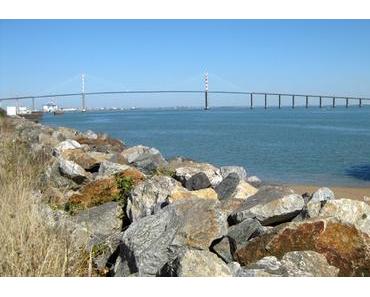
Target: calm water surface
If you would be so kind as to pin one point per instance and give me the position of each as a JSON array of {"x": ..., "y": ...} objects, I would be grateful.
[{"x": 323, "y": 147}]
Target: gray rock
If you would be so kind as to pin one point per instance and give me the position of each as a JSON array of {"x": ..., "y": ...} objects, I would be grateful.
[
  {"x": 100, "y": 223},
  {"x": 68, "y": 144},
  {"x": 292, "y": 264},
  {"x": 149, "y": 196},
  {"x": 270, "y": 205},
  {"x": 254, "y": 181},
  {"x": 240, "y": 171},
  {"x": 53, "y": 176},
  {"x": 227, "y": 187},
  {"x": 145, "y": 244},
  {"x": 90, "y": 134},
  {"x": 158, "y": 240},
  {"x": 348, "y": 211},
  {"x": 307, "y": 263},
  {"x": 197, "y": 181},
  {"x": 322, "y": 194},
  {"x": 239, "y": 234},
  {"x": 196, "y": 263},
  {"x": 222, "y": 249},
  {"x": 319, "y": 198},
  {"x": 108, "y": 168},
  {"x": 145, "y": 158},
  {"x": 185, "y": 169},
  {"x": 72, "y": 171}
]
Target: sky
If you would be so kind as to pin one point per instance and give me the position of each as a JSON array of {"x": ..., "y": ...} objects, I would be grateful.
[{"x": 294, "y": 56}]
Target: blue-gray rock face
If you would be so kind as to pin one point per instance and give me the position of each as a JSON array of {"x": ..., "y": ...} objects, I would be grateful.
[
  {"x": 318, "y": 199},
  {"x": 198, "y": 263},
  {"x": 222, "y": 249},
  {"x": 227, "y": 187},
  {"x": 239, "y": 234},
  {"x": 149, "y": 196},
  {"x": 296, "y": 264},
  {"x": 155, "y": 240},
  {"x": 144, "y": 158},
  {"x": 197, "y": 182},
  {"x": 270, "y": 205},
  {"x": 239, "y": 170}
]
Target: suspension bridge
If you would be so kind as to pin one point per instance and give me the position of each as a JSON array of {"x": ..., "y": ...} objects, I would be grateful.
[{"x": 249, "y": 97}]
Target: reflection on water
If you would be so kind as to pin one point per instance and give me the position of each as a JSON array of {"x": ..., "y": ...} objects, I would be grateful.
[{"x": 361, "y": 172}]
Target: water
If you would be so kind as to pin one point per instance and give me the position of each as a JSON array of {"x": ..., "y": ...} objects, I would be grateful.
[{"x": 321, "y": 147}]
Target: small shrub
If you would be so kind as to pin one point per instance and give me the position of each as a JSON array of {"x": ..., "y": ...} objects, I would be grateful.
[{"x": 165, "y": 171}]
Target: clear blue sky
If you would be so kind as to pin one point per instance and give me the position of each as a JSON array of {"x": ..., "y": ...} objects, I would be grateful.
[{"x": 38, "y": 56}]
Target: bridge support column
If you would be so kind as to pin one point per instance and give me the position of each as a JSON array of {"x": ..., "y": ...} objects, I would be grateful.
[
  {"x": 251, "y": 103},
  {"x": 293, "y": 101},
  {"x": 320, "y": 98},
  {"x": 265, "y": 101},
  {"x": 360, "y": 103},
  {"x": 346, "y": 102},
  {"x": 205, "y": 100},
  {"x": 33, "y": 104},
  {"x": 279, "y": 101},
  {"x": 333, "y": 102},
  {"x": 83, "y": 104},
  {"x": 306, "y": 101}
]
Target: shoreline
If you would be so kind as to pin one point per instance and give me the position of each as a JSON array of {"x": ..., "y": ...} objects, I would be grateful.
[{"x": 356, "y": 193}]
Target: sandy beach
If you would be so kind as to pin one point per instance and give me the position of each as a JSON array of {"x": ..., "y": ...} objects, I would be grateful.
[{"x": 357, "y": 193}]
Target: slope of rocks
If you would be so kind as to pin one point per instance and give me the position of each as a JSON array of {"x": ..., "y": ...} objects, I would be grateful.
[{"x": 143, "y": 215}]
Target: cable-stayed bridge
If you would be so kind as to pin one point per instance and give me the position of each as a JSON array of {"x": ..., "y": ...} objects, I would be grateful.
[{"x": 247, "y": 96}]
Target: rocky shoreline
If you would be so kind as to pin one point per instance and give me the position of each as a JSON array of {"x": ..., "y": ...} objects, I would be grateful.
[{"x": 139, "y": 214}]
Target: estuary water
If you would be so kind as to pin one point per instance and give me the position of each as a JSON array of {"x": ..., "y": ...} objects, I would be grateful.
[{"x": 304, "y": 146}]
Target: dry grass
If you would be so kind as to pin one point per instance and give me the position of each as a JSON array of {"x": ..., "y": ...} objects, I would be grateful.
[{"x": 28, "y": 246}]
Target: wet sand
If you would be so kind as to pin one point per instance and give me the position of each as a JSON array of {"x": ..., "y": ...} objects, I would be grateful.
[{"x": 340, "y": 192}]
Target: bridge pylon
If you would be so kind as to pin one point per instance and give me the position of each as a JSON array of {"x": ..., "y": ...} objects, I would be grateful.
[
  {"x": 206, "y": 91},
  {"x": 83, "y": 104}
]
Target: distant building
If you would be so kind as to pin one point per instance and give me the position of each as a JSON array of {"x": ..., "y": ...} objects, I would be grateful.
[
  {"x": 50, "y": 107},
  {"x": 11, "y": 110},
  {"x": 24, "y": 110}
]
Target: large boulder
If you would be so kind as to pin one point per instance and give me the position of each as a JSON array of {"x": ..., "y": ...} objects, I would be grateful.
[
  {"x": 348, "y": 211},
  {"x": 149, "y": 196},
  {"x": 234, "y": 187},
  {"x": 145, "y": 158},
  {"x": 180, "y": 193},
  {"x": 240, "y": 234},
  {"x": 73, "y": 171},
  {"x": 54, "y": 178},
  {"x": 85, "y": 160},
  {"x": 270, "y": 205},
  {"x": 102, "y": 143},
  {"x": 153, "y": 241},
  {"x": 68, "y": 144},
  {"x": 239, "y": 170},
  {"x": 108, "y": 168},
  {"x": 186, "y": 169},
  {"x": 296, "y": 263},
  {"x": 144, "y": 247},
  {"x": 99, "y": 223},
  {"x": 343, "y": 245},
  {"x": 197, "y": 263},
  {"x": 318, "y": 199},
  {"x": 197, "y": 181},
  {"x": 254, "y": 181},
  {"x": 221, "y": 247}
]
